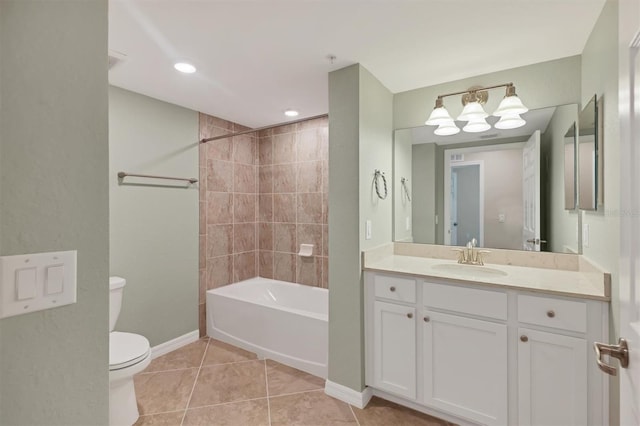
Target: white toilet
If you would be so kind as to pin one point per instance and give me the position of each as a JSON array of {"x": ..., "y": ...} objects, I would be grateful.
[{"x": 129, "y": 354}]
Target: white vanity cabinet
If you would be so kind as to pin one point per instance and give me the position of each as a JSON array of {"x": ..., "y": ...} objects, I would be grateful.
[
  {"x": 394, "y": 336},
  {"x": 477, "y": 354}
]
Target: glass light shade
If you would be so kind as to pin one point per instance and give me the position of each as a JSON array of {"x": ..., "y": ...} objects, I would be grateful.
[
  {"x": 438, "y": 116},
  {"x": 447, "y": 128},
  {"x": 510, "y": 105},
  {"x": 477, "y": 126},
  {"x": 472, "y": 111},
  {"x": 512, "y": 121}
]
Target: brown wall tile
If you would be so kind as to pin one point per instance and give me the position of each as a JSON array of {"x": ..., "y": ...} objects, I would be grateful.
[
  {"x": 309, "y": 208},
  {"x": 244, "y": 178},
  {"x": 244, "y": 237},
  {"x": 288, "y": 128},
  {"x": 284, "y": 267},
  {"x": 265, "y": 179},
  {"x": 265, "y": 207},
  {"x": 220, "y": 149},
  {"x": 325, "y": 240},
  {"x": 244, "y": 208},
  {"x": 265, "y": 268},
  {"x": 309, "y": 176},
  {"x": 284, "y": 148},
  {"x": 308, "y": 145},
  {"x": 219, "y": 176},
  {"x": 265, "y": 151},
  {"x": 309, "y": 270},
  {"x": 219, "y": 240},
  {"x": 284, "y": 178},
  {"x": 310, "y": 234},
  {"x": 244, "y": 149},
  {"x": 284, "y": 237},
  {"x": 219, "y": 271},
  {"x": 202, "y": 319},
  {"x": 325, "y": 272},
  {"x": 284, "y": 208},
  {"x": 265, "y": 235},
  {"x": 244, "y": 266},
  {"x": 219, "y": 207}
]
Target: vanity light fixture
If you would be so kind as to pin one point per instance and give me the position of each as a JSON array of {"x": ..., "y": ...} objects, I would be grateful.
[{"x": 474, "y": 114}]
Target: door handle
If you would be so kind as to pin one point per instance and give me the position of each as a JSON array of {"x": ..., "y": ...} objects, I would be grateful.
[
  {"x": 537, "y": 241},
  {"x": 619, "y": 351}
]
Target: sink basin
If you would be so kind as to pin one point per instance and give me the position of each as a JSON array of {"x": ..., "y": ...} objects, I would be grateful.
[{"x": 469, "y": 271}]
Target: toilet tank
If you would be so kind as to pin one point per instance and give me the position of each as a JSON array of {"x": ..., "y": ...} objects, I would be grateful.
[{"x": 116, "y": 288}]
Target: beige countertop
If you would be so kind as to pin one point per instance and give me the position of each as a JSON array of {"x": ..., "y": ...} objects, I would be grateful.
[{"x": 582, "y": 284}]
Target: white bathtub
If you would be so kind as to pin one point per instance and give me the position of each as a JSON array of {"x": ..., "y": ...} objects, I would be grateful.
[{"x": 275, "y": 319}]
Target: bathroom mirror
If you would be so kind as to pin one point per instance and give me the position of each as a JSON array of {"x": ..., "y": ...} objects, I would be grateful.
[
  {"x": 450, "y": 189},
  {"x": 588, "y": 156},
  {"x": 570, "y": 193}
]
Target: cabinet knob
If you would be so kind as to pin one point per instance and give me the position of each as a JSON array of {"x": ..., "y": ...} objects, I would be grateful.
[
  {"x": 551, "y": 314},
  {"x": 409, "y": 315},
  {"x": 426, "y": 319},
  {"x": 392, "y": 288},
  {"x": 524, "y": 338}
]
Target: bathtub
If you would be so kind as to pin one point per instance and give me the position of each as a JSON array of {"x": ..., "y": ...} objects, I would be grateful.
[{"x": 285, "y": 322}]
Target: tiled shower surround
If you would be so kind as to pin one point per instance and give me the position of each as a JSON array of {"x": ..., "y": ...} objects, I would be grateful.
[{"x": 261, "y": 196}]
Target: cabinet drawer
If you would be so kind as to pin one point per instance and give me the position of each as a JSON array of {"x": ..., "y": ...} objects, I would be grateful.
[
  {"x": 556, "y": 313},
  {"x": 395, "y": 288},
  {"x": 472, "y": 301}
]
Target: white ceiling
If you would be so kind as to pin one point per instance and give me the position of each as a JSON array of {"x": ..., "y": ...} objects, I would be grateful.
[{"x": 256, "y": 58}]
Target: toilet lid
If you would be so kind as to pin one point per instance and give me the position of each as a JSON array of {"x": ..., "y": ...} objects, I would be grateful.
[{"x": 126, "y": 349}]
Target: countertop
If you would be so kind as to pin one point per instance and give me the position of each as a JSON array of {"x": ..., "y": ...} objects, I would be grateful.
[{"x": 581, "y": 284}]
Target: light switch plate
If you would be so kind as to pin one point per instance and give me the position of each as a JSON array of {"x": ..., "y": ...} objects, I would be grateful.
[{"x": 33, "y": 282}]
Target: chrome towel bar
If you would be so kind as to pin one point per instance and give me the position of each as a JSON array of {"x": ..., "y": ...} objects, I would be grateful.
[{"x": 123, "y": 175}]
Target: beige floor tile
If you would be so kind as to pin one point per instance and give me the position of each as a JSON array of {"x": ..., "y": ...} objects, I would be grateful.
[
  {"x": 164, "y": 419},
  {"x": 223, "y": 353},
  {"x": 188, "y": 356},
  {"x": 164, "y": 391},
  {"x": 383, "y": 413},
  {"x": 309, "y": 408},
  {"x": 228, "y": 383},
  {"x": 250, "y": 413},
  {"x": 283, "y": 380}
]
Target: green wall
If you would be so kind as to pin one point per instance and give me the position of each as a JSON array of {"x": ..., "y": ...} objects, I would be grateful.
[
  {"x": 54, "y": 196},
  {"x": 360, "y": 134},
  {"x": 154, "y": 226}
]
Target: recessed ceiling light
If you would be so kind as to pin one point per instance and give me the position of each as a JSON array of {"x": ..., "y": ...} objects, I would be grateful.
[
  {"x": 185, "y": 67},
  {"x": 291, "y": 113}
]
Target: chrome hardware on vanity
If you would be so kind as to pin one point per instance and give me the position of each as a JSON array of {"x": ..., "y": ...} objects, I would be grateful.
[
  {"x": 619, "y": 351},
  {"x": 470, "y": 255}
]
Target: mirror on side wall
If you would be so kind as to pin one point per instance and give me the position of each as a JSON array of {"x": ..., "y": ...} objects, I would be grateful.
[
  {"x": 588, "y": 161},
  {"x": 570, "y": 193},
  {"x": 474, "y": 185}
]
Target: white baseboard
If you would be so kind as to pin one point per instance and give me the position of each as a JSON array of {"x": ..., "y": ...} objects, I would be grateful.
[
  {"x": 348, "y": 395},
  {"x": 173, "y": 344}
]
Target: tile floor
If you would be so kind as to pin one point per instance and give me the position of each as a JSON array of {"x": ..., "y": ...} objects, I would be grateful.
[{"x": 209, "y": 382}]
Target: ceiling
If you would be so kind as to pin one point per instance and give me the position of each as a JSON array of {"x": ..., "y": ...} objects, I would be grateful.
[{"x": 257, "y": 58}]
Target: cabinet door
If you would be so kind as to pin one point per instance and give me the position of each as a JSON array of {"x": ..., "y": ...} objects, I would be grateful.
[
  {"x": 465, "y": 367},
  {"x": 394, "y": 353},
  {"x": 552, "y": 379}
]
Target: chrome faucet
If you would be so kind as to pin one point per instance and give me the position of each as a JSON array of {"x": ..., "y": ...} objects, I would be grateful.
[{"x": 470, "y": 255}]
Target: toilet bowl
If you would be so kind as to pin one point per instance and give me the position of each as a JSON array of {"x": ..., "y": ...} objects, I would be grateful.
[{"x": 129, "y": 354}]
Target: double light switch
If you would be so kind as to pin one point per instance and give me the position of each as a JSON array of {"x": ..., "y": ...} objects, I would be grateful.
[{"x": 33, "y": 282}]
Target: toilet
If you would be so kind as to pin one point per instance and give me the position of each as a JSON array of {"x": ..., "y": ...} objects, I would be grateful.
[{"x": 129, "y": 354}]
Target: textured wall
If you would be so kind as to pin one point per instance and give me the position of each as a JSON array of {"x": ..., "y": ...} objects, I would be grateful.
[
  {"x": 262, "y": 195},
  {"x": 154, "y": 223},
  {"x": 54, "y": 196},
  {"x": 293, "y": 202}
]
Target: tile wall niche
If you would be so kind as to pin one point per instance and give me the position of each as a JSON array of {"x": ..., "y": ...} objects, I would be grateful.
[{"x": 261, "y": 196}]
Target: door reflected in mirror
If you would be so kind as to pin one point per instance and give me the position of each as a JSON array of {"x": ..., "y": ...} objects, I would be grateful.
[{"x": 505, "y": 188}]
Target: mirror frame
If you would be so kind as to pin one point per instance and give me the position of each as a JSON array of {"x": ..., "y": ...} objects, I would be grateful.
[{"x": 570, "y": 203}]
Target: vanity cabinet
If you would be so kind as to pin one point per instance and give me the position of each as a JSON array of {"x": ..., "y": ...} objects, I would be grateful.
[{"x": 476, "y": 354}]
